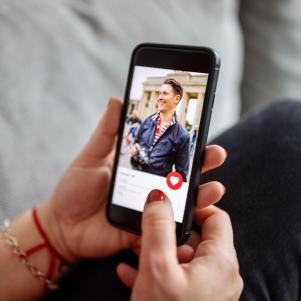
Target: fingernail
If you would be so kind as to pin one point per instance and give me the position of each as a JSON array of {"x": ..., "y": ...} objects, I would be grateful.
[{"x": 155, "y": 196}]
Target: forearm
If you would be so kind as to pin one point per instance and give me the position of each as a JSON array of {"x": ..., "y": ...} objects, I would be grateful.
[{"x": 17, "y": 281}]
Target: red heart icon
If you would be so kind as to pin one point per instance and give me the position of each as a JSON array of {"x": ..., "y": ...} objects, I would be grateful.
[{"x": 174, "y": 180}]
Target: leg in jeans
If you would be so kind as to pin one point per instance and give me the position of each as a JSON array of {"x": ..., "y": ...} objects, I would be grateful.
[
  {"x": 262, "y": 176},
  {"x": 94, "y": 280}
]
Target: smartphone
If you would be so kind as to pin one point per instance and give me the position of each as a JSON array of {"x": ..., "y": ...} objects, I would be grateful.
[{"x": 163, "y": 132}]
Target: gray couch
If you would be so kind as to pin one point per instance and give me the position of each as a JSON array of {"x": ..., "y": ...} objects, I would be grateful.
[{"x": 61, "y": 60}]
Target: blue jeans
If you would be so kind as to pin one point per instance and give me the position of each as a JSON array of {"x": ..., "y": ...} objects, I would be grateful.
[{"x": 262, "y": 175}]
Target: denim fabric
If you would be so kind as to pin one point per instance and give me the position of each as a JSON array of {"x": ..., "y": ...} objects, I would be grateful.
[
  {"x": 262, "y": 175},
  {"x": 172, "y": 148}
]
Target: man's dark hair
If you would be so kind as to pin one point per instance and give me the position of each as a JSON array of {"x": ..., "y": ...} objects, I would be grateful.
[{"x": 177, "y": 87}]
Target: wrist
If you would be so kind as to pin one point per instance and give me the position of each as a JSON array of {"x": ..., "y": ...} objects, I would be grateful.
[
  {"x": 52, "y": 227},
  {"x": 28, "y": 252}
]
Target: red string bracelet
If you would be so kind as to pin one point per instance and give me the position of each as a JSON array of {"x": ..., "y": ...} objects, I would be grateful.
[{"x": 54, "y": 254}]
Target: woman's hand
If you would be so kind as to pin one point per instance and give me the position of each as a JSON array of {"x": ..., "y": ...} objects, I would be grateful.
[
  {"x": 211, "y": 273},
  {"x": 74, "y": 217}
]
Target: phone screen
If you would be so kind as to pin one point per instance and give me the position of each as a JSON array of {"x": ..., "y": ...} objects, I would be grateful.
[{"x": 159, "y": 136}]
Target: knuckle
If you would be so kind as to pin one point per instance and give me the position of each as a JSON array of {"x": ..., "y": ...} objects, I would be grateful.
[
  {"x": 235, "y": 286},
  {"x": 237, "y": 289},
  {"x": 224, "y": 215},
  {"x": 159, "y": 270},
  {"x": 236, "y": 280},
  {"x": 231, "y": 266},
  {"x": 153, "y": 216},
  {"x": 225, "y": 259},
  {"x": 159, "y": 266},
  {"x": 240, "y": 285}
]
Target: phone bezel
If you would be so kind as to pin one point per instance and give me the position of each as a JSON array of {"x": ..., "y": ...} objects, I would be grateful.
[{"x": 176, "y": 57}]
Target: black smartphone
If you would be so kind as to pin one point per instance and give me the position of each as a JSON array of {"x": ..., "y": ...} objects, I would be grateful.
[{"x": 163, "y": 132}]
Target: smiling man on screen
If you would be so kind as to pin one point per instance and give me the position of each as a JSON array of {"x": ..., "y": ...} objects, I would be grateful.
[{"x": 162, "y": 142}]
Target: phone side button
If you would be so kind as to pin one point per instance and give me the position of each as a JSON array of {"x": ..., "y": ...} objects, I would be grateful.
[
  {"x": 213, "y": 98},
  {"x": 187, "y": 234}
]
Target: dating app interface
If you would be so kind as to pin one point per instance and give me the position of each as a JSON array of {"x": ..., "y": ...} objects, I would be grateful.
[{"x": 159, "y": 137}]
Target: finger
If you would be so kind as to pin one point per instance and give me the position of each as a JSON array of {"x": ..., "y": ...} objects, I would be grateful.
[
  {"x": 103, "y": 138},
  {"x": 136, "y": 251},
  {"x": 215, "y": 156},
  {"x": 209, "y": 194},
  {"x": 216, "y": 227},
  {"x": 158, "y": 241},
  {"x": 194, "y": 239},
  {"x": 126, "y": 274},
  {"x": 185, "y": 253}
]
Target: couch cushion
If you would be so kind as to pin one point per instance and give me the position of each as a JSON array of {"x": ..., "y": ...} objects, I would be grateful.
[{"x": 61, "y": 60}]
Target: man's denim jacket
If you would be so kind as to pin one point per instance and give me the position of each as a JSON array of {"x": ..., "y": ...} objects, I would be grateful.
[{"x": 172, "y": 148}]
